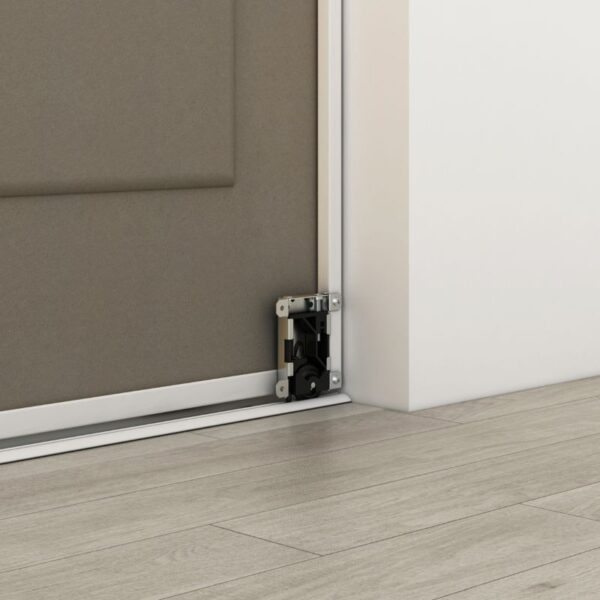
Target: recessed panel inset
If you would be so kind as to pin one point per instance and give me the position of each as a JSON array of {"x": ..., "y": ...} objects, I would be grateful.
[{"x": 114, "y": 95}]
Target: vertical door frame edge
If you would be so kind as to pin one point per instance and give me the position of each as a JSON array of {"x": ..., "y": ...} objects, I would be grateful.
[
  {"x": 139, "y": 403},
  {"x": 330, "y": 33}
]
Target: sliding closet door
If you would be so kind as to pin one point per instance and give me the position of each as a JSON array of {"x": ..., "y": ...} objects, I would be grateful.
[{"x": 157, "y": 189}]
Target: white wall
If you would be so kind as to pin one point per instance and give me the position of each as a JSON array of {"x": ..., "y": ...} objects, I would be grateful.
[
  {"x": 503, "y": 202},
  {"x": 376, "y": 201}
]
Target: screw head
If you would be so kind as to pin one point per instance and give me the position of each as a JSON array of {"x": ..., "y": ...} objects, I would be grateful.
[{"x": 335, "y": 379}]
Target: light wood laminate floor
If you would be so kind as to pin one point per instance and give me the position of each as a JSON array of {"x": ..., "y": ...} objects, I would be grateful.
[{"x": 497, "y": 498}]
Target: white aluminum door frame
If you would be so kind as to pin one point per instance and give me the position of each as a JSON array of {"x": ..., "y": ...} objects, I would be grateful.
[{"x": 101, "y": 409}]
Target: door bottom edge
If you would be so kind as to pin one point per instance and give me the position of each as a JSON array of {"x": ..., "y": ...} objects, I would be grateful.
[{"x": 44, "y": 418}]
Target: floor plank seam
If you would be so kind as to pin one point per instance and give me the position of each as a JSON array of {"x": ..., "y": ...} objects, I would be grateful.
[
  {"x": 558, "y": 512},
  {"x": 419, "y": 530},
  {"x": 423, "y": 416},
  {"x": 437, "y": 419},
  {"x": 256, "y": 537},
  {"x": 579, "y": 487},
  {"x": 497, "y": 579},
  {"x": 214, "y": 585},
  {"x": 518, "y": 412},
  {"x": 102, "y": 549}
]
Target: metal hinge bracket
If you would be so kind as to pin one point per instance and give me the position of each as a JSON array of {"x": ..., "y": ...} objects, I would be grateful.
[{"x": 304, "y": 363}]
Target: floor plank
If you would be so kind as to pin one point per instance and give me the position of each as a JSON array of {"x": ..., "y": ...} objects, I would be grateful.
[
  {"x": 67, "y": 486},
  {"x": 152, "y": 569},
  {"x": 133, "y": 516},
  {"x": 287, "y": 420},
  {"x": 582, "y": 502},
  {"x": 536, "y": 398},
  {"x": 576, "y": 578},
  {"x": 423, "y": 565},
  {"x": 351, "y": 519}
]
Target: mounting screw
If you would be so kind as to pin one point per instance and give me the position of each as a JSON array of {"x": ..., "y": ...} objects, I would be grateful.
[
  {"x": 282, "y": 389},
  {"x": 282, "y": 308},
  {"x": 335, "y": 380},
  {"x": 335, "y": 302}
]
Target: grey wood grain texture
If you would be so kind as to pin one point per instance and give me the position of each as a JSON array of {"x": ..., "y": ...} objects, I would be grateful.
[
  {"x": 150, "y": 569},
  {"x": 575, "y": 578},
  {"x": 80, "y": 483},
  {"x": 127, "y": 517},
  {"x": 494, "y": 406},
  {"x": 582, "y": 502},
  {"x": 424, "y": 565},
  {"x": 346, "y": 520},
  {"x": 112, "y": 522},
  {"x": 87, "y": 526},
  {"x": 289, "y": 420}
]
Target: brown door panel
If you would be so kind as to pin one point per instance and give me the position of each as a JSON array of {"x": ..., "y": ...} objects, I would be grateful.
[{"x": 151, "y": 209}]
